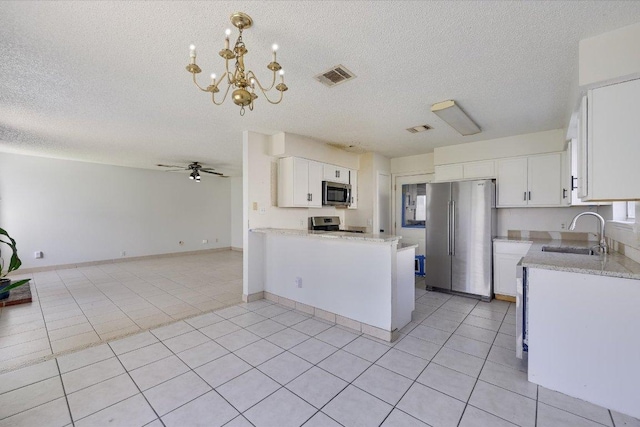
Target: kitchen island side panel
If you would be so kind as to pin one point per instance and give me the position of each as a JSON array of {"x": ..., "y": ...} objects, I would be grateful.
[
  {"x": 345, "y": 277},
  {"x": 583, "y": 338}
]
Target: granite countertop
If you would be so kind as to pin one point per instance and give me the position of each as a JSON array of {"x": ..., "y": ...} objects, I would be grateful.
[
  {"x": 405, "y": 246},
  {"x": 612, "y": 264},
  {"x": 363, "y": 237}
]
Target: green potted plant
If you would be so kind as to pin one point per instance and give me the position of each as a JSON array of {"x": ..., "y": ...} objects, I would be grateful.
[{"x": 14, "y": 263}]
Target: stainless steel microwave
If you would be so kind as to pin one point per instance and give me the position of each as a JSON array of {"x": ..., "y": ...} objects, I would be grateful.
[{"x": 336, "y": 194}]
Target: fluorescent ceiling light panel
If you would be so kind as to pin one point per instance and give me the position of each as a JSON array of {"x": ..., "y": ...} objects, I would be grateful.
[{"x": 455, "y": 117}]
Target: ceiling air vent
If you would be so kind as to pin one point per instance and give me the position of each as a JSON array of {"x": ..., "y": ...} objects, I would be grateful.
[
  {"x": 335, "y": 76},
  {"x": 421, "y": 128}
]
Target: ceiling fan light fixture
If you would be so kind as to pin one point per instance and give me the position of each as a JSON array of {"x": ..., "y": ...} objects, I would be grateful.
[
  {"x": 455, "y": 117},
  {"x": 244, "y": 82}
]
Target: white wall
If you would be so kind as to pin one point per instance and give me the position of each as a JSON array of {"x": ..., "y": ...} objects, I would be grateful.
[
  {"x": 236, "y": 212},
  {"x": 78, "y": 212},
  {"x": 610, "y": 57},
  {"x": 418, "y": 164},
  {"x": 365, "y": 216},
  {"x": 550, "y": 141}
]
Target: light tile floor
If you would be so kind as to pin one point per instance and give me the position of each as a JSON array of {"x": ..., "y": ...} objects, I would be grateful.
[
  {"x": 263, "y": 364},
  {"x": 76, "y": 307}
]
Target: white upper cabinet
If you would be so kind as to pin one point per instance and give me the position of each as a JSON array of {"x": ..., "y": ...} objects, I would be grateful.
[
  {"x": 485, "y": 169},
  {"x": 353, "y": 180},
  {"x": 530, "y": 181},
  {"x": 512, "y": 182},
  {"x": 335, "y": 174},
  {"x": 299, "y": 183},
  {"x": 545, "y": 180},
  {"x": 609, "y": 146}
]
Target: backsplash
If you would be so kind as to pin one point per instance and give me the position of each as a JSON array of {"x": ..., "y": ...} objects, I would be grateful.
[{"x": 552, "y": 235}]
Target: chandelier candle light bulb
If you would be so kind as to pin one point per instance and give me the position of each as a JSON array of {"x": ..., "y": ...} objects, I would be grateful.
[{"x": 239, "y": 78}]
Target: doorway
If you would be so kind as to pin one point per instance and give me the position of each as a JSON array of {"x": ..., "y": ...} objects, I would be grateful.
[{"x": 409, "y": 209}]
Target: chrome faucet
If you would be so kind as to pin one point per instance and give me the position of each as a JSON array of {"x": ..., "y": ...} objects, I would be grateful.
[{"x": 604, "y": 248}]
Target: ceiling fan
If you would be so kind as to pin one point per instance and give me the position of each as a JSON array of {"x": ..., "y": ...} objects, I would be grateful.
[{"x": 195, "y": 168}]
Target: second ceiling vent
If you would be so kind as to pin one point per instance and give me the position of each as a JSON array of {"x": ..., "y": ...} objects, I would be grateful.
[
  {"x": 420, "y": 128},
  {"x": 335, "y": 76}
]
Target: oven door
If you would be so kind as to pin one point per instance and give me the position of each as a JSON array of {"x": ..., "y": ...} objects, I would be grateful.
[{"x": 336, "y": 194}]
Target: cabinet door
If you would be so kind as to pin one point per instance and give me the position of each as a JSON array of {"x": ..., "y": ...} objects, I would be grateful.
[
  {"x": 476, "y": 170},
  {"x": 612, "y": 142},
  {"x": 353, "y": 180},
  {"x": 335, "y": 173},
  {"x": 449, "y": 172},
  {"x": 504, "y": 279},
  {"x": 581, "y": 167},
  {"x": 301, "y": 182},
  {"x": 512, "y": 182},
  {"x": 545, "y": 180},
  {"x": 314, "y": 184}
]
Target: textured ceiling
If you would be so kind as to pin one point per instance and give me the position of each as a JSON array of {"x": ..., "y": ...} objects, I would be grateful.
[{"x": 105, "y": 81}]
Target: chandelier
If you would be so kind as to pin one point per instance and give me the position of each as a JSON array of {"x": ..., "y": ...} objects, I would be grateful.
[{"x": 244, "y": 82}]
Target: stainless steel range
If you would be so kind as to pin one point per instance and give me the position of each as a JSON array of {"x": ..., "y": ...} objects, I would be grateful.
[{"x": 327, "y": 223}]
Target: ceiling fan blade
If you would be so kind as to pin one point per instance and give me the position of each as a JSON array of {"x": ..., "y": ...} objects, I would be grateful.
[
  {"x": 177, "y": 170},
  {"x": 168, "y": 166},
  {"x": 211, "y": 172}
]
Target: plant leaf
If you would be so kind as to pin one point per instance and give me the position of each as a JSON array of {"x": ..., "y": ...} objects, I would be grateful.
[{"x": 15, "y": 285}]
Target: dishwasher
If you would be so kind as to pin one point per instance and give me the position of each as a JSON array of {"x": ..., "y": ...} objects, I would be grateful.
[{"x": 522, "y": 318}]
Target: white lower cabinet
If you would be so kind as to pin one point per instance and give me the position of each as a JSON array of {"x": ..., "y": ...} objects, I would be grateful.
[{"x": 506, "y": 256}]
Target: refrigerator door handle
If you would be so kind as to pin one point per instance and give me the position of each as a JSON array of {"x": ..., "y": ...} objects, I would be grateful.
[
  {"x": 453, "y": 227},
  {"x": 449, "y": 227}
]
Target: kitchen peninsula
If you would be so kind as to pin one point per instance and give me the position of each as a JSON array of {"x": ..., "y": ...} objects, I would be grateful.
[{"x": 363, "y": 281}]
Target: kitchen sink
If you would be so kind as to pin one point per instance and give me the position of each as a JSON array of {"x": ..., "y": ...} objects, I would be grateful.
[{"x": 569, "y": 250}]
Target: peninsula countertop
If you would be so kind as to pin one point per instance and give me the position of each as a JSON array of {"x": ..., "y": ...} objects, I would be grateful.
[
  {"x": 363, "y": 237},
  {"x": 613, "y": 264}
]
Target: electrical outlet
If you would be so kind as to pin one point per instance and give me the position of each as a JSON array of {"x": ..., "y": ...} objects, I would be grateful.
[
  {"x": 123, "y": 253},
  {"x": 563, "y": 226},
  {"x": 299, "y": 282},
  {"x": 369, "y": 222},
  {"x": 255, "y": 206},
  {"x": 38, "y": 254},
  {"x": 181, "y": 243},
  {"x": 302, "y": 223},
  {"x": 262, "y": 210},
  {"x": 205, "y": 241}
]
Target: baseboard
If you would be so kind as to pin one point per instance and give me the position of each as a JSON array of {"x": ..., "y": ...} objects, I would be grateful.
[
  {"x": 233, "y": 248},
  {"x": 117, "y": 260},
  {"x": 505, "y": 298},
  {"x": 253, "y": 297}
]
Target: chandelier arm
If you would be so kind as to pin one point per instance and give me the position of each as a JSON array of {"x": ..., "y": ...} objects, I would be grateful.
[
  {"x": 270, "y": 101},
  {"x": 213, "y": 96},
  {"x": 251, "y": 75},
  {"x": 199, "y": 87}
]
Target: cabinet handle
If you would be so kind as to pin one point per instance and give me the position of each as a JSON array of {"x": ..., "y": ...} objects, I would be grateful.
[
  {"x": 574, "y": 179},
  {"x": 525, "y": 196},
  {"x": 529, "y": 195},
  {"x": 564, "y": 193},
  {"x": 311, "y": 197}
]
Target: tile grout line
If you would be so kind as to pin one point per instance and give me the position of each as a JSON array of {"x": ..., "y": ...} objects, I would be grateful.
[
  {"x": 480, "y": 373},
  {"x": 64, "y": 391}
]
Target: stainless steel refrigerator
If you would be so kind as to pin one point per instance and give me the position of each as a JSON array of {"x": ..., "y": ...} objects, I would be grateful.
[{"x": 460, "y": 226}]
